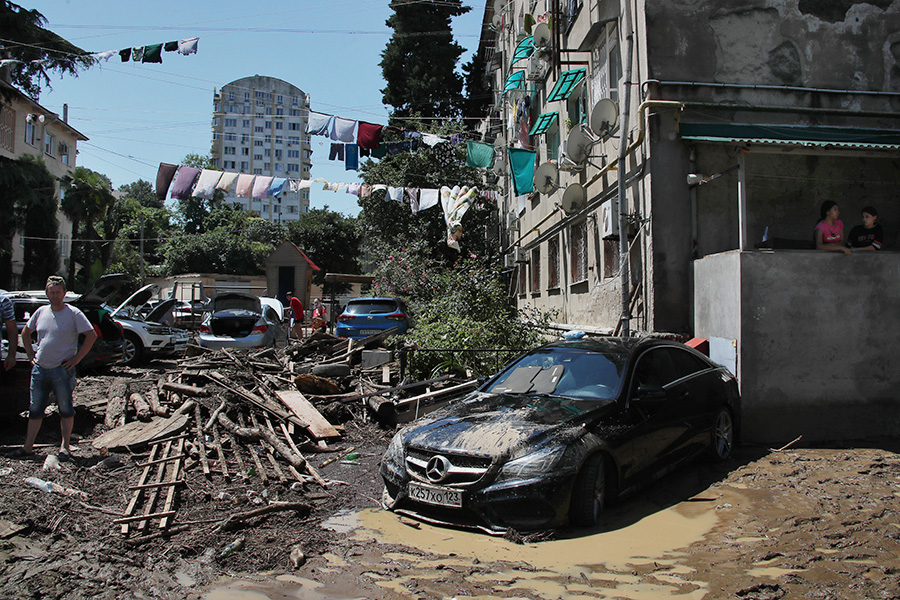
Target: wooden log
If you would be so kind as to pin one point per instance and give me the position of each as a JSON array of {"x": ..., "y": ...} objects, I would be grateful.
[
  {"x": 141, "y": 406},
  {"x": 232, "y": 520},
  {"x": 115, "y": 406},
  {"x": 184, "y": 389},
  {"x": 263, "y": 433},
  {"x": 152, "y": 396},
  {"x": 212, "y": 418},
  {"x": 435, "y": 393},
  {"x": 260, "y": 469},
  {"x": 201, "y": 442}
]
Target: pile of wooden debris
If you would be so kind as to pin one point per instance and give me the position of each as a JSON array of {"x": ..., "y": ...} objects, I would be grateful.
[{"x": 242, "y": 415}]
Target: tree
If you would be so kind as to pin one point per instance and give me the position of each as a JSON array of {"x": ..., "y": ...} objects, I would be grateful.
[
  {"x": 387, "y": 226},
  {"x": 330, "y": 239},
  {"x": 38, "y": 50},
  {"x": 192, "y": 212},
  {"x": 86, "y": 202},
  {"x": 419, "y": 61},
  {"x": 28, "y": 204},
  {"x": 142, "y": 192},
  {"x": 142, "y": 217},
  {"x": 215, "y": 252}
]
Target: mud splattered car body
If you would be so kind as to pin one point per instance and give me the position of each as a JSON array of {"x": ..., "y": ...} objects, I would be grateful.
[{"x": 560, "y": 430}]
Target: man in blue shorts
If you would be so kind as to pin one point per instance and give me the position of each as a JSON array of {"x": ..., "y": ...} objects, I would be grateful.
[{"x": 58, "y": 326}]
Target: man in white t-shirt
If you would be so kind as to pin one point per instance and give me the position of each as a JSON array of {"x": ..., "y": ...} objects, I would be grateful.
[{"x": 58, "y": 326}]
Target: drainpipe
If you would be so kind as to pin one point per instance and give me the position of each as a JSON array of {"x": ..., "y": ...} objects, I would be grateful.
[{"x": 625, "y": 317}]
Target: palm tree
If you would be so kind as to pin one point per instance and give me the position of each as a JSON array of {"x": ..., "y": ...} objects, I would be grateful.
[{"x": 86, "y": 202}]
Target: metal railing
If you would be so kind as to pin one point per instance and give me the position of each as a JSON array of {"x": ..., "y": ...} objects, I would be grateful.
[{"x": 477, "y": 362}]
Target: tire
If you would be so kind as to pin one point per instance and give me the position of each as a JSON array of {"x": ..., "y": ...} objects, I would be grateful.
[
  {"x": 134, "y": 350},
  {"x": 588, "y": 493},
  {"x": 722, "y": 442}
]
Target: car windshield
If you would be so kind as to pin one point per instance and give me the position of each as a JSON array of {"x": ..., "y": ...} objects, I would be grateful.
[
  {"x": 373, "y": 307},
  {"x": 567, "y": 372}
]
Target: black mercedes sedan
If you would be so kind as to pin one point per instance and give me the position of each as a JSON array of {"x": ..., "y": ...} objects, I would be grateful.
[{"x": 559, "y": 431}]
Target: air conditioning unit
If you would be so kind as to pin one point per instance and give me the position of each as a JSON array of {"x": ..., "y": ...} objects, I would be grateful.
[
  {"x": 536, "y": 69},
  {"x": 609, "y": 220},
  {"x": 519, "y": 255},
  {"x": 512, "y": 221}
]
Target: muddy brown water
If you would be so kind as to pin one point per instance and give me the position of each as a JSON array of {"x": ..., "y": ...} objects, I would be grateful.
[{"x": 589, "y": 565}]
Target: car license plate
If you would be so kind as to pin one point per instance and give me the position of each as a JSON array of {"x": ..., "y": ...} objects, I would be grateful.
[
  {"x": 433, "y": 495},
  {"x": 369, "y": 331}
]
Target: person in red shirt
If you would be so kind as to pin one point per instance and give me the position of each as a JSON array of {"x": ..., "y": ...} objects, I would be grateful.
[
  {"x": 296, "y": 316},
  {"x": 829, "y": 231}
]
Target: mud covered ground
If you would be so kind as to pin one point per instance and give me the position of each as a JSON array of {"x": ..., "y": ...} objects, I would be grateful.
[{"x": 799, "y": 523}]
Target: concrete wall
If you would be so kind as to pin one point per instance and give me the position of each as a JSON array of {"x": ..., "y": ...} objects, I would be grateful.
[{"x": 817, "y": 341}]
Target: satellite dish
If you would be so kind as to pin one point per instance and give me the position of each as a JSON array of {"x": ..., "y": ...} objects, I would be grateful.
[
  {"x": 573, "y": 199},
  {"x": 496, "y": 21},
  {"x": 541, "y": 35},
  {"x": 499, "y": 6},
  {"x": 577, "y": 145},
  {"x": 546, "y": 178},
  {"x": 604, "y": 116}
]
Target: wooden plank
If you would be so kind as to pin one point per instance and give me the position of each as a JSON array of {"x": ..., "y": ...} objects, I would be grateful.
[
  {"x": 149, "y": 486},
  {"x": 318, "y": 426},
  {"x": 309, "y": 467},
  {"x": 151, "y": 497},
  {"x": 201, "y": 441},
  {"x": 235, "y": 448},
  {"x": 147, "y": 516},
  {"x": 217, "y": 444},
  {"x": 170, "y": 495},
  {"x": 138, "y": 433},
  {"x": 269, "y": 451},
  {"x": 455, "y": 388},
  {"x": 253, "y": 454},
  {"x": 137, "y": 494}
]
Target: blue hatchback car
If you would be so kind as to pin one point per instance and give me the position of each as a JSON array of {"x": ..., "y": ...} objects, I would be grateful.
[{"x": 363, "y": 317}]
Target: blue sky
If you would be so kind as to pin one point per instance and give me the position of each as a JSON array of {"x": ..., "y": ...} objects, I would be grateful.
[{"x": 138, "y": 115}]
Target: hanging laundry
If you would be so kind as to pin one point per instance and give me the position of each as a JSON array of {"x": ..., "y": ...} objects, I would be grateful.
[
  {"x": 456, "y": 202},
  {"x": 395, "y": 194},
  {"x": 337, "y": 152},
  {"x": 521, "y": 166},
  {"x": 332, "y": 186},
  {"x": 318, "y": 123},
  {"x": 365, "y": 191},
  {"x": 379, "y": 186},
  {"x": 342, "y": 129},
  {"x": 364, "y": 152},
  {"x": 428, "y": 198},
  {"x": 152, "y": 54},
  {"x": 353, "y": 188},
  {"x": 444, "y": 154},
  {"x": 456, "y": 139},
  {"x": 104, "y": 55},
  {"x": 261, "y": 186},
  {"x": 380, "y": 151},
  {"x": 227, "y": 181},
  {"x": 277, "y": 186},
  {"x": 206, "y": 185},
  {"x": 244, "y": 185},
  {"x": 368, "y": 135},
  {"x": 431, "y": 139},
  {"x": 479, "y": 154},
  {"x": 171, "y": 46},
  {"x": 184, "y": 181},
  {"x": 137, "y": 53},
  {"x": 412, "y": 194},
  {"x": 164, "y": 176},
  {"x": 300, "y": 184},
  {"x": 125, "y": 54},
  {"x": 351, "y": 157},
  {"x": 188, "y": 46}
]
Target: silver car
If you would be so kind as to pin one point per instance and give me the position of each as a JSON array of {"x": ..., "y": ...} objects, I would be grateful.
[
  {"x": 242, "y": 320},
  {"x": 150, "y": 336}
]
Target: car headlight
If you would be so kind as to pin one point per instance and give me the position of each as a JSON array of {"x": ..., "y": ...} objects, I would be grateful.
[
  {"x": 157, "y": 330},
  {"x": 393, "y": 459},
  {"x": 532, "y": 465}
]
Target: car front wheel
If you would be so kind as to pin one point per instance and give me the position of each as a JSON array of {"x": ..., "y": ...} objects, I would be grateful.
[
  {"x": 722, "y": 435},
  {"x": 133, "y": 348},
  {"x": 588, "y": 493}
]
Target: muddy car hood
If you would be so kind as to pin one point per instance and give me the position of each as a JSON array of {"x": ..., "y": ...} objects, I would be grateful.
[{"x": 498, "y": 424}]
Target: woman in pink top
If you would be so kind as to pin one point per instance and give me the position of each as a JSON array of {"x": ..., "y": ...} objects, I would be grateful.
[{"x": 829, "y": 231}]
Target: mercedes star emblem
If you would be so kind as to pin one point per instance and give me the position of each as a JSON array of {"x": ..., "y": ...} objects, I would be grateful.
[{"x": 437, "y": 468}]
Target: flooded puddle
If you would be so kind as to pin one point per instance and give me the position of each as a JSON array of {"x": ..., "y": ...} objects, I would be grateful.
[{"x": 635, "y": 556}]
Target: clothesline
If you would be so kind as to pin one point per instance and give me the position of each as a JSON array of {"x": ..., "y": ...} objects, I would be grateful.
[{"x": 151, "y": 53}]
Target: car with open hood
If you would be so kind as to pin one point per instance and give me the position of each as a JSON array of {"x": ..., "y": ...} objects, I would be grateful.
[
  {"x": 558, "y": 432},
  {"x": 242, "y": 320},
  {"x": 150, "y": 335}
]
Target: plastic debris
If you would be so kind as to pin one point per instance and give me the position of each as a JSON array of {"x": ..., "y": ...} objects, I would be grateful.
[
  {"x": 573, "y": 335},
  {"x": 231, "y": 548},
  {"x": 51, "y": 463},
  {"x": 6, "y": 471},
  {"x": 36, "y": 482},
  {"x": 297, "y": 557}
]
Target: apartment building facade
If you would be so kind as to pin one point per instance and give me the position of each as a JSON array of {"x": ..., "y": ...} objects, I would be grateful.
[
  {"x": 682, "y": 150},
  {"x": 26, "y": 127},
  {"x": 259, "y": 128}
]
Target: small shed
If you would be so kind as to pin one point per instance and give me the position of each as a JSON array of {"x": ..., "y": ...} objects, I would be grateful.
[{"x": 289, "y": 269}]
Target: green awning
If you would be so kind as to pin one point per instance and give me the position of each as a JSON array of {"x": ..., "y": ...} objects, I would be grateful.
[
  {"x": 544, "y": 122},
  {"x": 565, "y": 84},
  {"x": 524, "y": 49},
  {"x": 847, "y": 138},
  {"x": 516, "y": 81}
]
